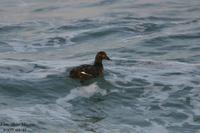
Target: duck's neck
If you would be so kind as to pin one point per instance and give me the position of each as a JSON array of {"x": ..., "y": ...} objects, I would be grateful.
[{"x": 98, "y": 63}]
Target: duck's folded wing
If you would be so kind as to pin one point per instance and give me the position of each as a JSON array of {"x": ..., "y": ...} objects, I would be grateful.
[
  {"x": 90, "y": 70},
  {"x": 83, "y": 72}
]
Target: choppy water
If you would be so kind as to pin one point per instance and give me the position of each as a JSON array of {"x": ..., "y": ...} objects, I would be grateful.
[{"x": 151, "y": 86}]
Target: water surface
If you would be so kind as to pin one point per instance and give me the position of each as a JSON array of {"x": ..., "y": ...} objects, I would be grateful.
[{"x": 151, "y": 86}]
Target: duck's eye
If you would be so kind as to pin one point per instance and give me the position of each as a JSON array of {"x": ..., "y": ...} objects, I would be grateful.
[{"x": 103, "y": 56}]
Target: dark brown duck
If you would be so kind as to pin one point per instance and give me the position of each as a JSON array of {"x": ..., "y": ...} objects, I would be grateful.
[{"x": 85, "y": 72}]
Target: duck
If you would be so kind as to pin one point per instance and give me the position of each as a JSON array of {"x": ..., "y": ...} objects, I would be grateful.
[{"x": 88, "y": 71}]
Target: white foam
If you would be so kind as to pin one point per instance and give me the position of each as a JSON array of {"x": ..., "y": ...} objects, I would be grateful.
[
  {"x": 154, "y": 128},
  {"x": 86, "y": 91}
]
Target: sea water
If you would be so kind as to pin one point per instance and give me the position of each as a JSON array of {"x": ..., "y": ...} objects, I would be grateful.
[{"x": 152, "y": 84}]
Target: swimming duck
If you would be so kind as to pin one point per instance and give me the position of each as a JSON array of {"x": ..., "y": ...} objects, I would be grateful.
[{"x": 86, "y": 71}]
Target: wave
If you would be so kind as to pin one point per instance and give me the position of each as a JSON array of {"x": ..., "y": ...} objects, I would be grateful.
[
  {"x": 146, "y": 73},
  {"x": 11, "y": 28},
  {"x": 80, "y": 25},
  {"x": 46, "y": 9},
  {"x": 101, "y": 32},
  {"x": 25, "y": 70},
  {"x": 143, "y": 72},
  {"x": 58, "y": 113},
  {"x": 5, "y": 47}
]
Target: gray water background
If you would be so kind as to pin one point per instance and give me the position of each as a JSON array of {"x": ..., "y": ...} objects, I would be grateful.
[{"x": 151, "y": 86}]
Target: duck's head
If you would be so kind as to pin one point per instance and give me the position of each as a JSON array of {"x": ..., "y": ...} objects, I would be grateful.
[{"x": 101, "y": 56}]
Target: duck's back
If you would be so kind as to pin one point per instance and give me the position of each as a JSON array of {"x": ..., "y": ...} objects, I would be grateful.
[{"x": 85, "y": 72}]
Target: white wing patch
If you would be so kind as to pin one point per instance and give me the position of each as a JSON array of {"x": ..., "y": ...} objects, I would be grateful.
[{"x": 86, "y": 73}]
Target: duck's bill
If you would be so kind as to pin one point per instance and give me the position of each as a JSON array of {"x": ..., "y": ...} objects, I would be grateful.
[{"x": 108, "y": 58}]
